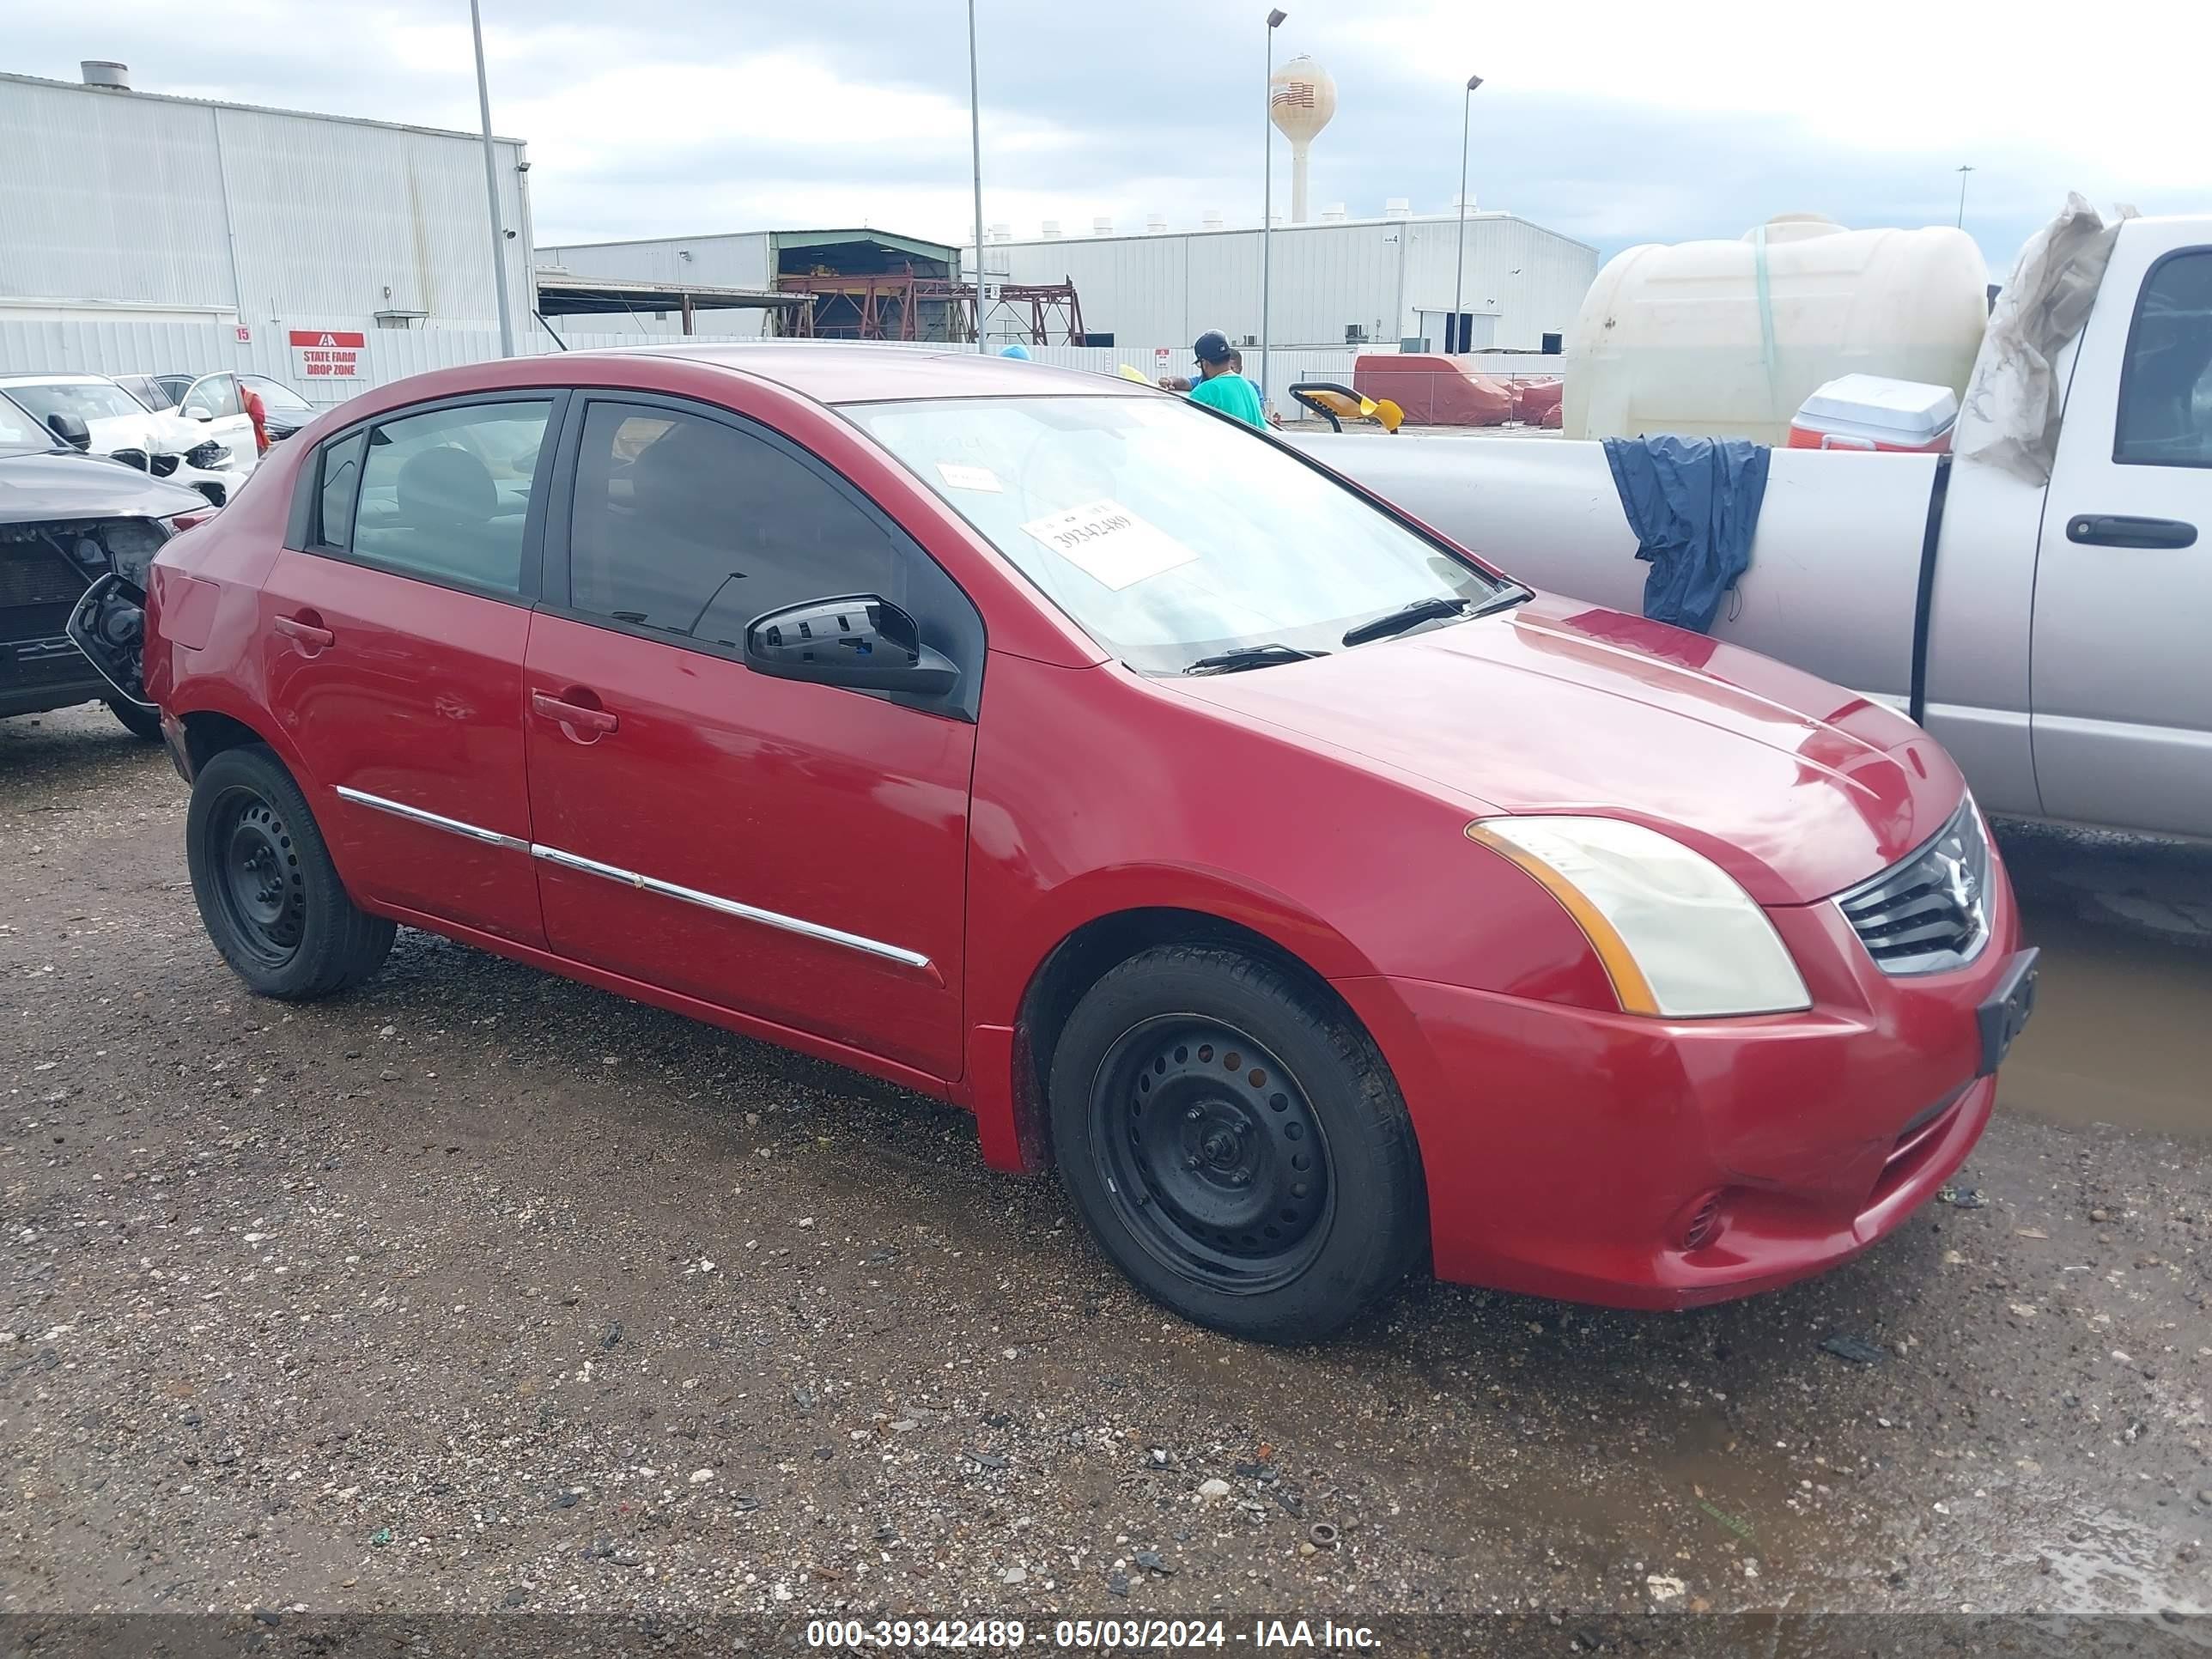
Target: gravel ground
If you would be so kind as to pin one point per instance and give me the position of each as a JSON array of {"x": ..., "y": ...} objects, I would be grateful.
[{"x": 480, "y": 1289}]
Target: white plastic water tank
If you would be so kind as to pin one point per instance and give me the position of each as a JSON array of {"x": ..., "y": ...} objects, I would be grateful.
[{"x": 1728, "y": 339}]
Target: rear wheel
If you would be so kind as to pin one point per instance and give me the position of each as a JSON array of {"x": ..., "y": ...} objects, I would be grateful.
[
  {"x": 269, "y": 894},
  {"x": 1236, "y": 1144},
  {"x": 138, "y": 719}
]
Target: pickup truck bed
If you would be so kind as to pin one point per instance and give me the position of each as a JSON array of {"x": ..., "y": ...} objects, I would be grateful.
[{"x": 2056, "y": 638}]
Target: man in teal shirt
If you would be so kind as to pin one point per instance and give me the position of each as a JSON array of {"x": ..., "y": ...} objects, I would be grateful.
[{"x": 1219, "y": 386}]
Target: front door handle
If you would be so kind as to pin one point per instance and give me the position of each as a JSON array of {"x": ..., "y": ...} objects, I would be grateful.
[
  {"x": 573, "y": 715},
  {"x": 2118, "y": 529},
  {"x": 311, "y": 635}
]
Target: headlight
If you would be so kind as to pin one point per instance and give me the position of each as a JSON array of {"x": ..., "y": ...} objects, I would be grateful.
[{"x": 1678, "y": 939}]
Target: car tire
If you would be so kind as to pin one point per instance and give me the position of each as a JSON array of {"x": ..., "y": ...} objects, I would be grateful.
[
  {"x": 1236, "y": 1144},
  {"x": 269, "y": 895},
  {"x": 141, "y": 722}
]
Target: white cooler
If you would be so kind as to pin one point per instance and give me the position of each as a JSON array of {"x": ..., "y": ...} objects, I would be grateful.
[{"x": 1871, "y": 412}]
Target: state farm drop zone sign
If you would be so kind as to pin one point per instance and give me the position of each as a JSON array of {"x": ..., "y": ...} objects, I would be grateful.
[{"x": 320, "y": 354}]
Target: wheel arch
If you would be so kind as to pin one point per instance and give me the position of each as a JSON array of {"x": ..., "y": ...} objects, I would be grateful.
[
  {"x": 214, "y": 726},
  {"x": 1080, "y": 958},
  {"x": 209, "y": 732}
]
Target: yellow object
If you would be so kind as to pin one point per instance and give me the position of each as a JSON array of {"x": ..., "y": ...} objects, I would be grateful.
[
  {"x": 1386, "y": 414},
  {"x": 1139, "y": 377},
  {"x": 1629, "y": 984}
]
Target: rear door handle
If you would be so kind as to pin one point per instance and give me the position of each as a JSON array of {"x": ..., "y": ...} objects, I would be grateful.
[
  {"x": 306, "y": 633},
  {"x": 2118, "y": 529},
  {"x": 573, "y": 715}
]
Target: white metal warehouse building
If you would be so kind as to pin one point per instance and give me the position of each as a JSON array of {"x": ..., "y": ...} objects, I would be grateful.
[
  {"x": 1335, "y": 281},
  {"x": 135, "y": 223}
]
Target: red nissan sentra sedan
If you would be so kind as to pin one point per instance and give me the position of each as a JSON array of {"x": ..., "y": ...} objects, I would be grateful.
[{"x": 1311, "y": 894}]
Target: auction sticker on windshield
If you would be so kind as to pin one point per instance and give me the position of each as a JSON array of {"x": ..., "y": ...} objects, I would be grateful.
[
  {"x": 958, "y": 475},
  {"x": 1109, "y": 543}
]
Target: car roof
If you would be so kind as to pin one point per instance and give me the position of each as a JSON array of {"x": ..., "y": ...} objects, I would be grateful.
[
  {"x": 55, "y": 380},
  {"x": 850, "y": 371}
]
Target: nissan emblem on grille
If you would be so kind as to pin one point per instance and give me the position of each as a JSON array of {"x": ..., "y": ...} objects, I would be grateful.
[{"x": 1929, "y": 912}]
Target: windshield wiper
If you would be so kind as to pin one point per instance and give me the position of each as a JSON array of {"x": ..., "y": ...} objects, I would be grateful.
[
  {"x": 1250, "y": 656},
  {"x": 1432, "y": 609},
  {"x": 1436, "y": 608}
]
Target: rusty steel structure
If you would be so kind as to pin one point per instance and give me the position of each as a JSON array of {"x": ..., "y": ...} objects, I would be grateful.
[{"x": 901, "y": 305}]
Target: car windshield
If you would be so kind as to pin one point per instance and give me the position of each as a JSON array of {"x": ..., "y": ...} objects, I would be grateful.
[
  {"x": 89, "y": 400},
  {"x": 19, "y": 432},
  {"x": 1170, "y": 535},
  {"x": 277, "y": 395}
]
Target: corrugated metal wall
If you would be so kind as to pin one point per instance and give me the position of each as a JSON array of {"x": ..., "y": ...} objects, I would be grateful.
[
  {"x": 109, "y": 197},
  {"x": 733, "y": 261},
  {"x": 287, "y": 220},
  {"x": 1532, "y": 280},
  {"x": 1377, "y": 275}
]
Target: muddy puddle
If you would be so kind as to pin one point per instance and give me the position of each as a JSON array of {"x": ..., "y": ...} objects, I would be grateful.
[{"x": 2123, "y": 1028}]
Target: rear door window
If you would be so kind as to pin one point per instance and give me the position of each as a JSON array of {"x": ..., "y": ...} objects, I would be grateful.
[
  {"x": 2165, "y": 386},
  {"x": 449, "y": 496}
]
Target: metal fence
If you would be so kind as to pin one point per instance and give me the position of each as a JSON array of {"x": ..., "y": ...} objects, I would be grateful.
[{"x": 129, "y": 346}]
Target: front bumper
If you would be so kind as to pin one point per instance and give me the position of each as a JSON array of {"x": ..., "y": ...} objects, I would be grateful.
[
  {"x": 1567, "y": 1150},
  {"x": 43, "y": 673}
]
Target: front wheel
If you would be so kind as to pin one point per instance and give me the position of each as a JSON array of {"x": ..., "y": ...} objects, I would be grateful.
[
  {"x": 1236, "y": 1144},
  {"x": 139, "y": 721},
  {"x": 267, "y": 890}
]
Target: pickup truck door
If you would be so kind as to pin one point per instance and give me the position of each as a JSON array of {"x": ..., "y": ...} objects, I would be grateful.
[{"x": 2122, "y": 721}]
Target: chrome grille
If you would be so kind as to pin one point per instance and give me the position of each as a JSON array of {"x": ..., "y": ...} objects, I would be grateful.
[{"x": 1930, "y": 912}]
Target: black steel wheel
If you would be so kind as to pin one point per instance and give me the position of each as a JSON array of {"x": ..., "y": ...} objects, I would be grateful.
[
  {"x": 268, "y": 892},
  {"x": 1236, "y": 1143},
  {"x": 258, "y": 881},
  {"x": 1215, "y": 1160}
]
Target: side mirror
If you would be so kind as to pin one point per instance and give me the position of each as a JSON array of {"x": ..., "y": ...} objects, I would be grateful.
[
  {"x": 862, "y": 641},
  {"x": 201, "y": 412},
  {"x": 69, "y": 429}
]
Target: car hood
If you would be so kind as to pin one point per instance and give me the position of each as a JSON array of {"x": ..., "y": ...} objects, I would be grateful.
[
  {"x": 63, "y": 484},
  {"x": 153, "y": 433},
  {"x": 1798, "y": 789}
]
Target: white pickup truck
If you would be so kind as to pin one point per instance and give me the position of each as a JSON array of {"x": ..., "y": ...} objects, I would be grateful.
[{"x": 2056, "y": 638}]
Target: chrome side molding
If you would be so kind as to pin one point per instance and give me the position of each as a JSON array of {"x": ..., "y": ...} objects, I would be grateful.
[
  {"x": 435, "y": 821},
  {"x": 727, "y": 906}
]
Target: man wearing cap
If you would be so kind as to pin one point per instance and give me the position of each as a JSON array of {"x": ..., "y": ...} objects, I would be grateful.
[{"x": 1219, "y": 386}]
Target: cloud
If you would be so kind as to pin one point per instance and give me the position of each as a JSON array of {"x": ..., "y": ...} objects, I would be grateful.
[{"x": 1610, "y": 122}]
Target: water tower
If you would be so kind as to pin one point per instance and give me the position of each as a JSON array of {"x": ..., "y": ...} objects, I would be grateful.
[{"x": 1301, "y": 98}]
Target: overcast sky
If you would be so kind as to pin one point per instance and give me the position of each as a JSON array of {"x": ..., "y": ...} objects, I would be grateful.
[{"x": 1614, "y": 122}]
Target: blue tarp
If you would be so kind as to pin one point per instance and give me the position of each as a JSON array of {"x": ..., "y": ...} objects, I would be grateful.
[{"x": 1693, "y": 504}]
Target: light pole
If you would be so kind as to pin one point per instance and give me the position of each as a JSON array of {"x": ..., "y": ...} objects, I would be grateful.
[
  {"x": 1459, "y": 273},
  {"x": 976, "y": 142},
  {"x": 491, "y": 189},
  {"x": 1963, "y": 172},
  {"x": 1267, "y": 194}
]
